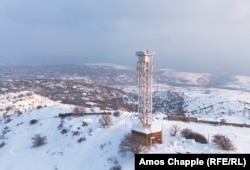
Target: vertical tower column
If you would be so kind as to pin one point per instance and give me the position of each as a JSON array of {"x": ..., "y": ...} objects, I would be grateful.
[{"x": 145, "y": 78}]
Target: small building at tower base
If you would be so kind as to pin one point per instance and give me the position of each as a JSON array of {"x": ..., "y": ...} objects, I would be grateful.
[{"x": 147, "y": 135}]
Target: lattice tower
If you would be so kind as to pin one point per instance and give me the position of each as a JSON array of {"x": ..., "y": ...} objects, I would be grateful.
[{"x": 145, "y": 80}]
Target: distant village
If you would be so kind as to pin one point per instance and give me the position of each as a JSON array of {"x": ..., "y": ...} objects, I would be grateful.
[
  {"x": 82, "y": 85},
  {"x": 77, "y": 92}
]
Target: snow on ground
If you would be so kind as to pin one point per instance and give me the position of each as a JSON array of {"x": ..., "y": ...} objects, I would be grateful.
[
  {"x": 239, "y": 82},
  {"x": 22, "y": 102},
  {"x": 217, "y": 104},
  {"x": 99, "y": 146},
  {"x": 189, "y": 78}
]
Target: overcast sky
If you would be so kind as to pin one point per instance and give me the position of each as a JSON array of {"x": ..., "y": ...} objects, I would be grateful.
[{"x": 188, "y": 35}]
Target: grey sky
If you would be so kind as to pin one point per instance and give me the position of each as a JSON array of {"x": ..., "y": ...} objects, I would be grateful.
[{"x": 189, "y": 35}]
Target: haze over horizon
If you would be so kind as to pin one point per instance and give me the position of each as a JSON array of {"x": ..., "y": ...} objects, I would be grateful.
[{"x": 197, "y": 36}]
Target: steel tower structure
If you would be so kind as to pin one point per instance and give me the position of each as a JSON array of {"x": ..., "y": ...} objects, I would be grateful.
[{"x": 145, "y": 80}]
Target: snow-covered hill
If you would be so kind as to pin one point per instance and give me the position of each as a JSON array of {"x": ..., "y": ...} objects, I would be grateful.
[
  {"x": 238, "y": 82},
  {"x": 204, "y": 103},
  {"x": 22, "y": 102},
  {"x": 191, "y": 79},
  {"x": 217, "y": 104},
  {"x": 174, "y": 77},
  {"x": 81, "y": 143}
]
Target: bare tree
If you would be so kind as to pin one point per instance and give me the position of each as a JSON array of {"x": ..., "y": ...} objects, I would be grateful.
[
  {"x": 105, "y": 121},
  {"x": 223, "y": 142},
  {"x": 173, "y": 130},
  {"x": 128, "y": 145}
]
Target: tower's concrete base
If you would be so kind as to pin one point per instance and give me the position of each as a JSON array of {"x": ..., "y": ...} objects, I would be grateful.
[{"x": 147, "y": 136}]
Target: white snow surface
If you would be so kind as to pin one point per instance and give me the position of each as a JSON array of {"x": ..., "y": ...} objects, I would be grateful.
[
  {"x": 100, "y": 148},
  {"x": 239, "y": 82},
  {"x": 190, "y": 78}
]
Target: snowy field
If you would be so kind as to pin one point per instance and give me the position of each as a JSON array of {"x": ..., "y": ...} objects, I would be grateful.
[{"x": 70, "y": 145}]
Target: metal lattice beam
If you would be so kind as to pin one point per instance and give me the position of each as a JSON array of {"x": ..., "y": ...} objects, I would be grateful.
[{"x": 145, "y": 80}]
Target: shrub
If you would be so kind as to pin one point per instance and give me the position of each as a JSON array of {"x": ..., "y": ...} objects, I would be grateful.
[
  {"x": 20, "y": 95},
  {"x": 19, "y": 112},
  {"x": 90, "y": 131},
  {"x": 9, "y": 108},
  {"x": 8, "y": 120},
  {"x": 128, "y": 145},
  {"x": 189, "y": 134},
  {"x": 200, "y": 138},
  {"x": 81, "y": 139},
  {"x": 105, "y": 121},
  {"x": 115, "y": 162},
  {"x": 64, "y": 131},
  {"x": 33, "y": 121},
  {"x": 39, "y": 140},
  {"x": 5, "y": 130},
  {"x": 39, "y": 107},
  {"x": 223, "y": 142},
  {"x": 117, "y": 114},
  {"x": 2, "y": 144},
  {"x": 76, "y": 133},
  {"x": 60, "y": 126},
  {"x": 116, "y": 167},
  {"x": 84, "y": 123},
  {"x": 79, "y": 109},
  {"x": 102, "y": 146},
  {"x": 173, "y": 130}
]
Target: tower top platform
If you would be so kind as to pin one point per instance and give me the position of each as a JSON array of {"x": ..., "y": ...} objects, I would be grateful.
[{"x": 145, "y": 53}]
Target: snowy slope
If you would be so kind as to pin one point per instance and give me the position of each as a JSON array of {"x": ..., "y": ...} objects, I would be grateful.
[
  {"x": 217, "y": 104},
  {"x": 99, "y": 148},
  {"x": 192, "y": 79},
  {"x": 238, "y": 82},
  {"x": 22, "y": 102},
  {"x": 174, "y": 77}
]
